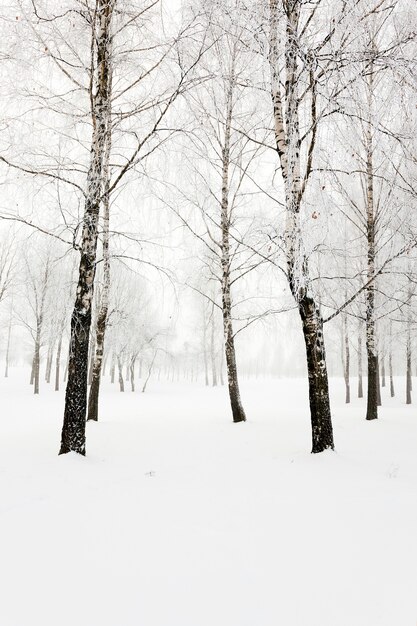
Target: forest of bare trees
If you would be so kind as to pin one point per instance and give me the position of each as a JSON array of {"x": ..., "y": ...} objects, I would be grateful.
[
  {"x": 208, "y": 312},
  {"x": 183, "y": 182}
]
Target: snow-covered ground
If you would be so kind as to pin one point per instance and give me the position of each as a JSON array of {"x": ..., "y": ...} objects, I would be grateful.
[{"x": 177, "y": 517}]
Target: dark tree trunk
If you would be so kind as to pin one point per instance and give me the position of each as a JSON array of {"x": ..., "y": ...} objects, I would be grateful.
[
  {"x": 321, "y": 423},
  {"x": 372, "y": 406},
  {"x": 373, "y": 370},
  {"x": 232, "y": 379},
  {"x": 73, "y": 431},
  {"x": 229, "y": 346}
]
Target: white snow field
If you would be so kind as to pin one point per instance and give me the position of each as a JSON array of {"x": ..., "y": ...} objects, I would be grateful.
[{"x": 177, "y": 517}]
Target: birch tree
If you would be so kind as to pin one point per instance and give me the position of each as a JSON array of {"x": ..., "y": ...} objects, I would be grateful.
[
  {"x": 73, "y": 431},
  {"x": 85, "y": 47},
  {"x": 369, "y": 175},
  {"x": 38, "y": 269},
  {"x": 288, "y": 63}
]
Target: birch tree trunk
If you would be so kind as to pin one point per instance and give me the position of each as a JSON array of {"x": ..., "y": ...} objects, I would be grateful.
[
  {"x": 229, "y": 340},
  {"x": 287, "y": 136},
  {"x": 371, "y": 348},
  {"x": 322, "y": 430},
  {"x": 73, "y": 431},
  {"x": 101, "y": 323}
]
